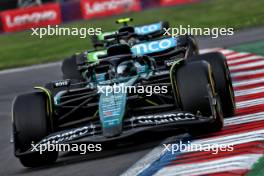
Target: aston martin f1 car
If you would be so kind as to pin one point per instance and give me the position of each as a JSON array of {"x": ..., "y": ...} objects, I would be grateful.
[
  {"x": 67, "y": 111},
  {"x": 165, "y": 51}
]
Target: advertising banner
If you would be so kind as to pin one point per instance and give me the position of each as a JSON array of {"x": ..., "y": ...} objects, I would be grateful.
[
  {"x": 101, "y": 8},
  {"x": 175, "y": 2},
  {"x": 31, "y": 17}
]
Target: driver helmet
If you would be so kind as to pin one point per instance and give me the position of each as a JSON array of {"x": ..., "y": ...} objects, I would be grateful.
[{"x": 126, "y": 69}]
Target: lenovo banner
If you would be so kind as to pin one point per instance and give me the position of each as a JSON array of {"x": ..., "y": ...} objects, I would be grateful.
[
  {"x": 31, "y": 17},
  {"x": 100, "y": 8},
  {"x": 175, "y": 2}
]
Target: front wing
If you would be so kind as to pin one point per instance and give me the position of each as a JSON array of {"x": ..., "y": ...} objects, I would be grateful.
[{"x": 93, "y": 132}]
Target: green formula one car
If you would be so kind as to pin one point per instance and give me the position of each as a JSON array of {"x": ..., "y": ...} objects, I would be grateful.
[{"x": 183, "y": 96}]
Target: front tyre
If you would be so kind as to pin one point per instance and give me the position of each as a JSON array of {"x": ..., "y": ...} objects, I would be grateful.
[
  {"x": 30, "y": 125},
  {"x": 195, "y": 84},
  {"x": 223, "y": 81}
]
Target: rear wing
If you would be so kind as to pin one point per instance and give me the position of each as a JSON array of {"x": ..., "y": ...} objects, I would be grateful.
[{"x": 149, "y": 29}]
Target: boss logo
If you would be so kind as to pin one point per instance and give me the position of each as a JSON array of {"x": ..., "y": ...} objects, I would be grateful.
[{"x": 61, "y": 83}]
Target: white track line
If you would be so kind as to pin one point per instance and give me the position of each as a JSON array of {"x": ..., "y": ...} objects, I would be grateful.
[
  {"x": 203, "y": 51},
  {"x": 148, "y": 159},
  {"x": 227, "y": 139},
  {"x": 248, "y": 82},
  {"x": 236, "y": 55},
  {"x": 234, "y": 139},
  {"x": 231, "y": 163},
  {"x": 226, "y": 51},
  {"x": 247, "y": 65},
  {"x": 250, "y": 58},
  {"x": 249, "y": 103},
  {"x": 33, "y": 67},
  {"x": 244, "y": 119},
  {"x": 247, "y": 73},
  {"x": 249, "y": 91}
]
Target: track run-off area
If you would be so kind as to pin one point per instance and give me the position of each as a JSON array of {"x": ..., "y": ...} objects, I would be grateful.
[{"x": 245, "y": 131}]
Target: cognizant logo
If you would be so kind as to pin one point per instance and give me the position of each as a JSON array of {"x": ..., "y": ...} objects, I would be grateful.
[
  {"x": 154, "y": 46},
  {"x": 147, "y": 29}
]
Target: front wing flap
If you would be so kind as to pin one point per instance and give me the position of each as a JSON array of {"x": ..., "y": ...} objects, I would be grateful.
[{"x": 93, "y": 132}]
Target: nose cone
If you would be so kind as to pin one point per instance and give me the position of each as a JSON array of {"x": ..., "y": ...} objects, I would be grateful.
[{"x": 112, "y": 105}]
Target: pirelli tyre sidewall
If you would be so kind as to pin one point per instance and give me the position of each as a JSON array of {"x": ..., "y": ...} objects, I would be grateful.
[
  {"x": 69, "y": 68},
  {"x": 31, "y": 124},
  {"x": 195, "y": 84},
  {"x": 223, "y": 80}
]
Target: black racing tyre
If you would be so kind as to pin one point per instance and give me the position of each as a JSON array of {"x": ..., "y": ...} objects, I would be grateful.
[
  {"x": 223, "y": 81},
  {"x": 70, "y": 70},
  {"x": 195, "y": 85},
  {"x": 31, "y": 124}
]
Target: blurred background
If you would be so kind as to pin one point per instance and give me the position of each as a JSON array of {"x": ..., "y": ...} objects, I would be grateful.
[{"x": 18, "y": 16}]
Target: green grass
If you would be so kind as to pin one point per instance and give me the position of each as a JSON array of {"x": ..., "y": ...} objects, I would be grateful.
[
  {"x": 256, "y": 48},
  {"x": 22, "y": 49},
  {"x": 258, "y": 168}
]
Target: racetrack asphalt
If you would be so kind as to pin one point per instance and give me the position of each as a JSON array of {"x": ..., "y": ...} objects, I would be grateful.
[{"x": 111, "y": 162}]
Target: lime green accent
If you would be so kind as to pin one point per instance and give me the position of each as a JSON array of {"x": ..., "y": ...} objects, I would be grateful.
[
  {"x": 101, "y": 37},
  {"x": 149, "y": 101},
  {"x": 124, "y": 20},
  {"x": 93, "y": 56},
  {"x": 49, "y": 104},
  {"x": 96, "y": 112},
  {"x": 47, "y": 92},
  {"x": 174, "y": 82},
  {"x": 255, "y": 47}
]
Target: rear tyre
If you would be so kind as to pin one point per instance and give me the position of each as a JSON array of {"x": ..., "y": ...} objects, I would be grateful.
[
  {"x": 70, "y": 70},
  {"x": 31, "y": 124},
  {"x": 223, "y": 81},
  {"x": 196, "y": 89}
]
